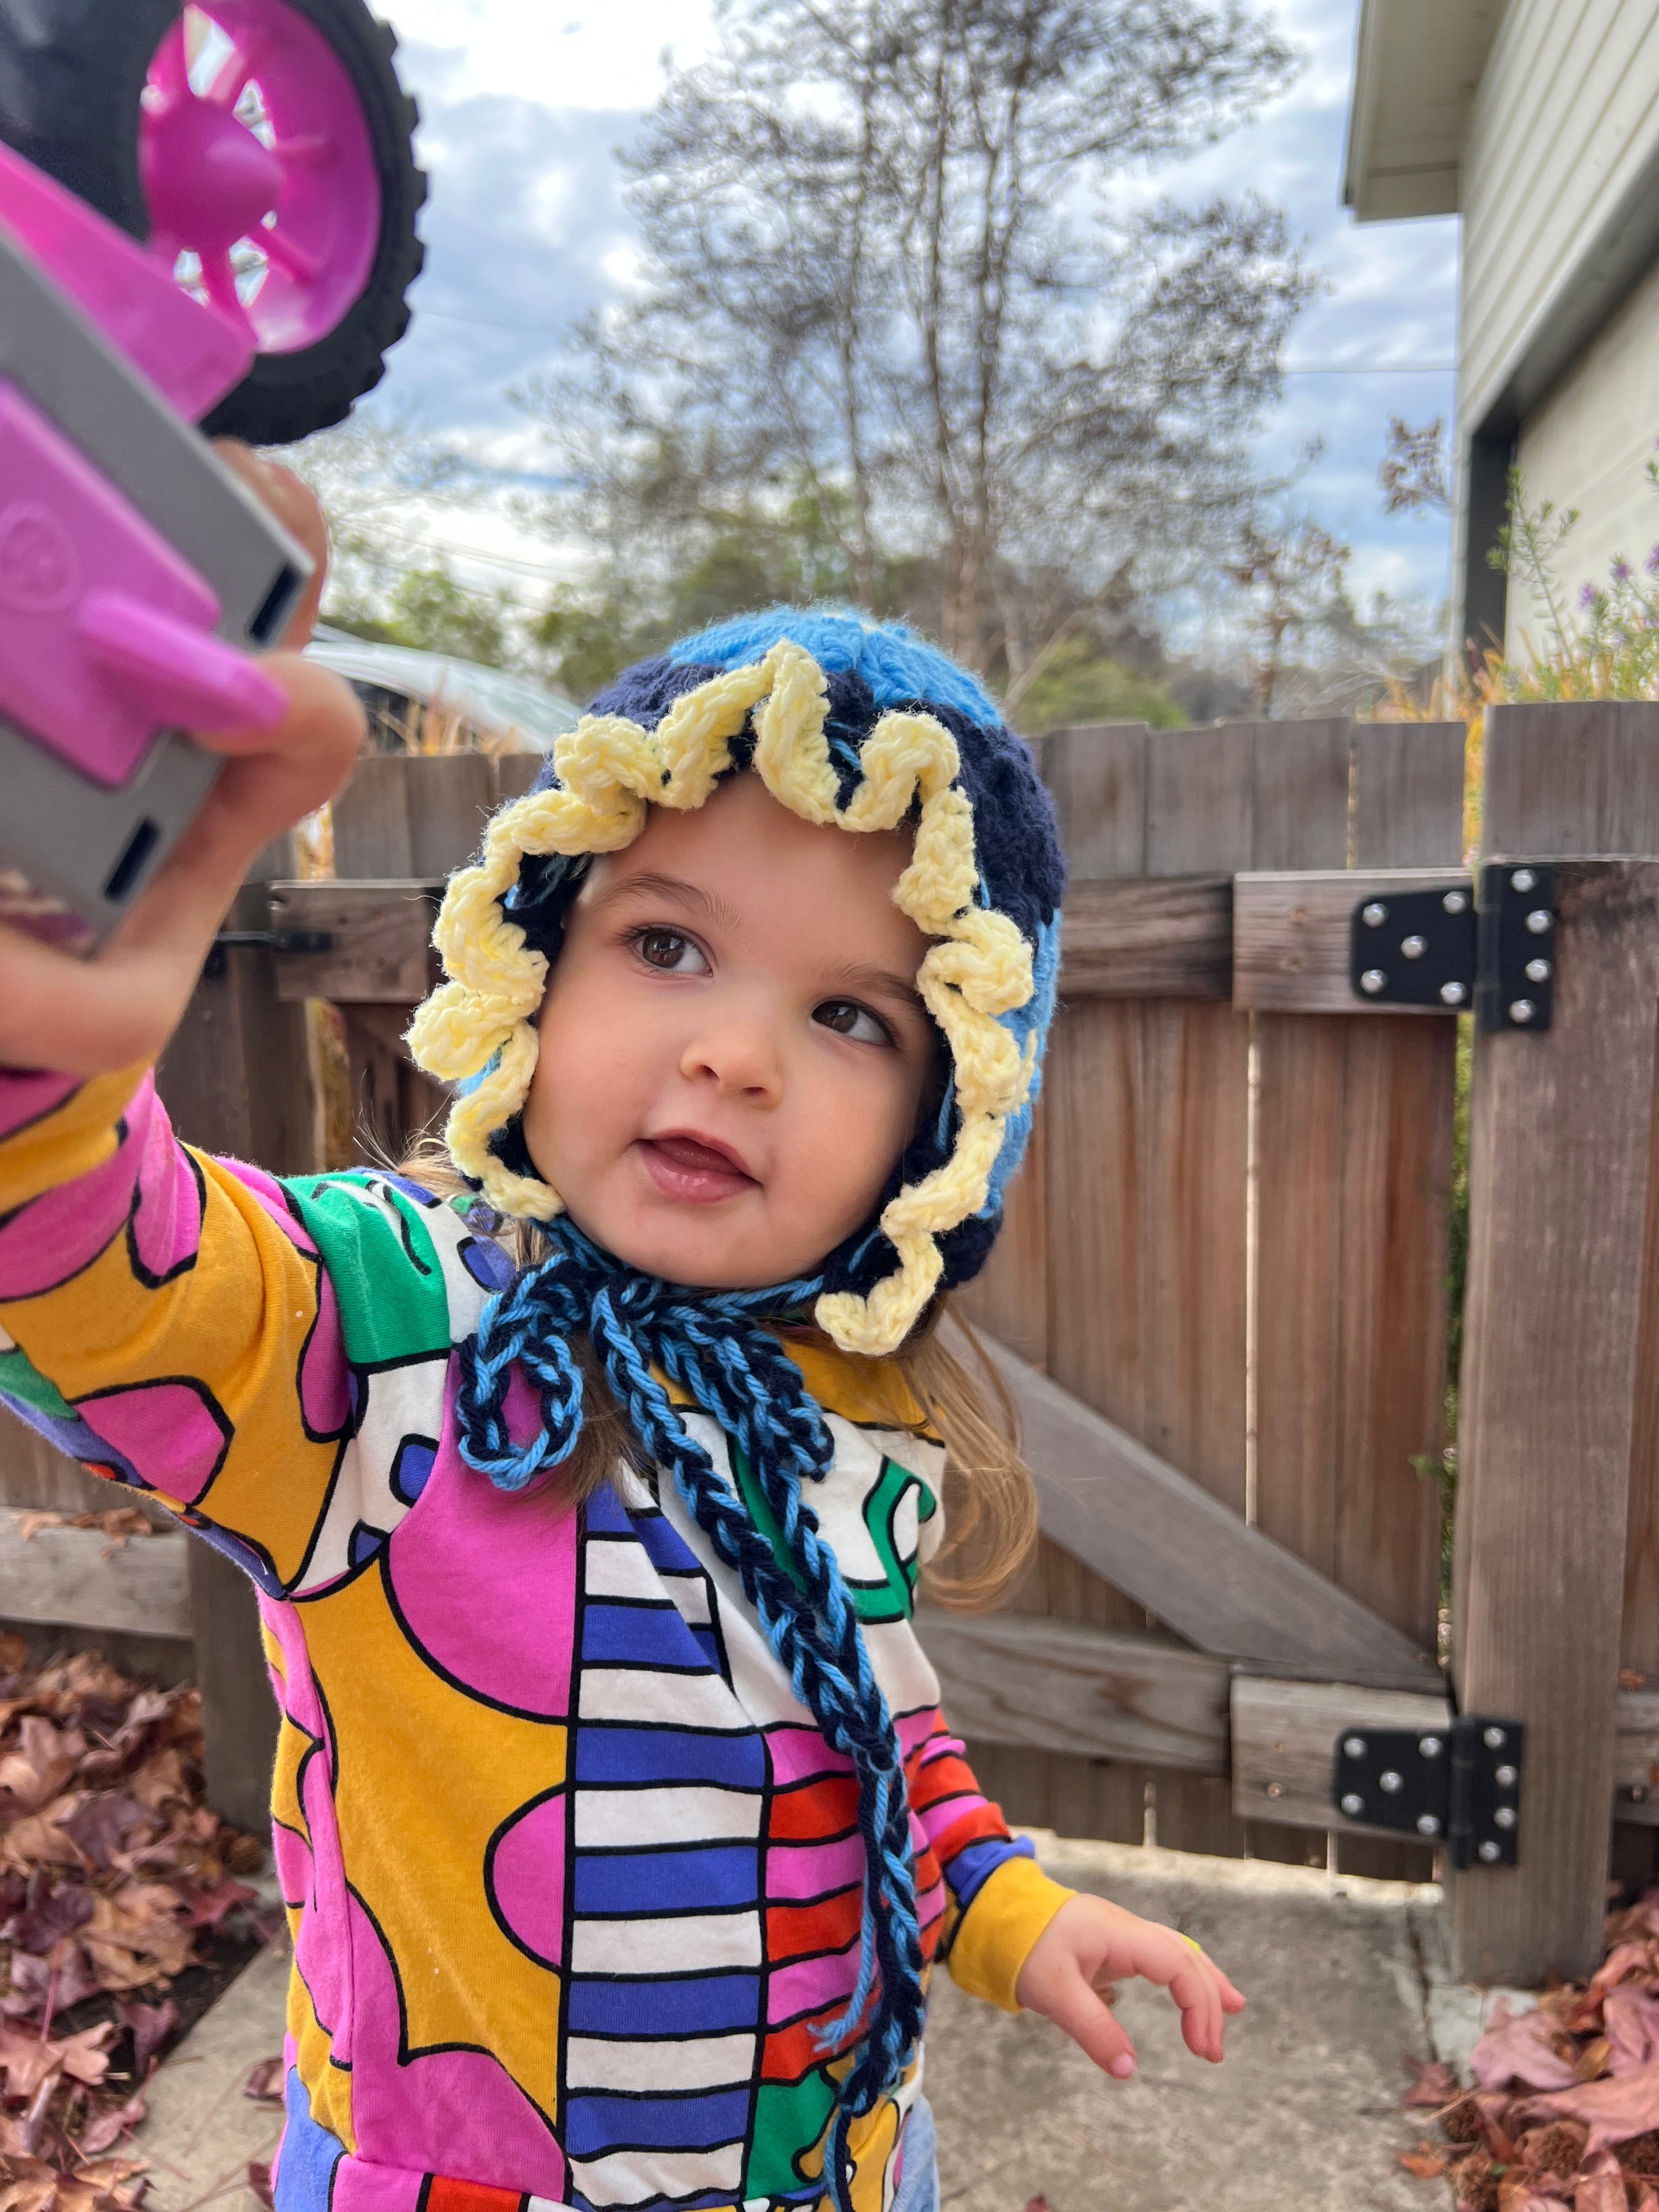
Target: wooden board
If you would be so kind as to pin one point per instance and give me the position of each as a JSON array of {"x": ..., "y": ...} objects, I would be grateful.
[
  {"x": 1573, "y": 780},
  {"x": 412, "y": 814},
  {"x": 1283, "y": 1737},
  {"x": 1152, "y": 938},
  {"x": 1292, "y": 932},
  {"x": 78, "y": 1577},
  {"x": 1560, "y": 1145},
  {"x": 1010, "y": 1296},
  {"x": 1184, "y": 1555},
  {"x": 382, "y": 934},
  {"x": 1050, "y": 1685},
  {"x": 1099, "y": 778}
]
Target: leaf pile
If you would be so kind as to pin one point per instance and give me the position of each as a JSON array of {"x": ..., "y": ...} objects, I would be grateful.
[
  {"x": 110, "y": 1869},
  {"x": 1564, "y": 2106}
]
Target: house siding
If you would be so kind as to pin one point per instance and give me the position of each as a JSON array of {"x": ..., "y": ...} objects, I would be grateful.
[{"x": 1566, "y": 117}]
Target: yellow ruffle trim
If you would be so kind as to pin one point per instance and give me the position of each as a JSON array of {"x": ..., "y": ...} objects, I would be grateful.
[{"x": 609, "y": 770}]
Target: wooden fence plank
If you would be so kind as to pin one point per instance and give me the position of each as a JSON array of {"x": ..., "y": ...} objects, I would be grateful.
[
  {"x": 1299, "y": 796},
  {"x": 1284, "y": 1736},
  {"x": 1572, "y": 780},
  {"x": 76, "y": 1575},
  {"x": 412, "y": 814},
  {"x": 1062, "y": 1688},
  {"x": 1120, "y": 1509},
  {"x": 1561, "y": 1144},
  {"x": 1292, "y": 931},
  {"x": 1407, "y": 784},
  {"x": 382, "y": 934},
  {"x": 1097, "y": 775},
  {"x": 1148, "y": 938},
  {"x": 1010, "y": 1296}
]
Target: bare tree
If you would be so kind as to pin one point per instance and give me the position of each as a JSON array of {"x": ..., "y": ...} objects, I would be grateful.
[
  {"x": 898, "y": 264},
  {"x": 1413, "y": 471}
]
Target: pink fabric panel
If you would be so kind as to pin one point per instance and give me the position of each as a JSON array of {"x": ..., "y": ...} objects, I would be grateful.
[
  {"x": 811, "y": 1985},
  {"x": 466, "y": 1537},
  {"x": 168, "y": 1431},
  {"x": 29, "y": 1097},
  {"x": 796, "y": 1871},
  {"x": 799, "y": 1754},
  {"x": 439, "y": 2111}
]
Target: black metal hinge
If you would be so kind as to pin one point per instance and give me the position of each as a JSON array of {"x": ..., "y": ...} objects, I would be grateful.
[
  {"x": 1494, "y": 953},
  {"x": 1460, "y": 1785},
  {"x": 264, "y": 940}
]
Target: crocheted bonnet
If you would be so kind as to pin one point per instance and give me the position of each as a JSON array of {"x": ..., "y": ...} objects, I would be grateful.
[{"x": 849, "y": 722}]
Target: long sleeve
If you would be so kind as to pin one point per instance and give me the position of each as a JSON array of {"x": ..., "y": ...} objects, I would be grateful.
[
  {"x": 193, "y": 1327},
  {"x": 998, "y": 1899}
]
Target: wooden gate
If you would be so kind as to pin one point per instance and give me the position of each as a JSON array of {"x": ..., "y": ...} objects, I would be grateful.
[{"x": 1221, "y": 1300}]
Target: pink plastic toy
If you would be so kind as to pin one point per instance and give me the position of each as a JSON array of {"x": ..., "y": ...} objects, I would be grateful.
[{"x": 206, "y": 216}]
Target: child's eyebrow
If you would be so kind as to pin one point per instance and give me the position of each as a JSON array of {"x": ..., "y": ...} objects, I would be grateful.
[
  {"x": 675, "y": 888},
  {"x": 880, "y": 983}
]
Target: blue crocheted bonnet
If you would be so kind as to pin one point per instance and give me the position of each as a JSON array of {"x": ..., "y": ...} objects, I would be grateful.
[{"x": 848, "y": 720}]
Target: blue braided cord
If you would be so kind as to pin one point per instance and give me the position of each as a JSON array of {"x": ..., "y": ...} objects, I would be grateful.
[{"x": 714, "y": 1345}]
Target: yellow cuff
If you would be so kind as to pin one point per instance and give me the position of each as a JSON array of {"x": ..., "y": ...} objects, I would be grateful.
[{"x": 1001, "y": 1927}]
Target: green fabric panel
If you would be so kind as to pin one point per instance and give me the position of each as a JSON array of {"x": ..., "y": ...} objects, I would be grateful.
[
  {"x": 384, "y": 1268},
  {"x": 790, "y": 2118},
  {"x": 21, "y": 1379},
  {"x": 895, "y": 1598},
  {"x": 762, "y": 1516}
]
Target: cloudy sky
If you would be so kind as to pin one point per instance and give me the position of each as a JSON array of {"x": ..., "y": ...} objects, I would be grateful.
[{"x": 525, "y": 100}]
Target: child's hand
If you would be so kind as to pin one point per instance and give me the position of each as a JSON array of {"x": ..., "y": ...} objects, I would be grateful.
[
  {"x": 118, "y": 1008},
  {"x": 1090, "y": 1944}
]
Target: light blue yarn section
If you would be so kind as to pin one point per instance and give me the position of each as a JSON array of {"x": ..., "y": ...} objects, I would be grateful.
[
  {"x": 899, "y": 667},
  {"x": 1035, "y": 1014}
]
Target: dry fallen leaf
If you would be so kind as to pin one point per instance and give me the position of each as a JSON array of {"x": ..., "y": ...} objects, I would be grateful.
[
  {"x": 1432, "y": 2086},
  {"x": 1428, "y": 2161},
  {"x": 266, "y": 2082}
]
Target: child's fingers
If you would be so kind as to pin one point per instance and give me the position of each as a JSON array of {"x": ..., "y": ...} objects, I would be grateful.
[
  {"x": 295, "y": 507},
  {"x": 1074, "y": 2006},
  {"x": 1194, "y": 1988}
]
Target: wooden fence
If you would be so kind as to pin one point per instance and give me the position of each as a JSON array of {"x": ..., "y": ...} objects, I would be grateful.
[{"x": 1221, "y": 1297}]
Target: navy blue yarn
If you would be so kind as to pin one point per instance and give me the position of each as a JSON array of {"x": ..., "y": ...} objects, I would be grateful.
[{"x": 715, "y": 1346}]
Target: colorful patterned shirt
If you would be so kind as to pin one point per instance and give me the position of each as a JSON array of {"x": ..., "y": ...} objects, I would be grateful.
[{"x": 574, "y": 1883}]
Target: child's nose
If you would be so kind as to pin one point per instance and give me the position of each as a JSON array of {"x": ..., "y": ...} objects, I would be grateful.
[{"x": 736, "y": 1051}]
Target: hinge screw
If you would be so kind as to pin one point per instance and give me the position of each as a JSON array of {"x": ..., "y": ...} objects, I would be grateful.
[
  {"x": 1430, "y": 1746},
  {"x": 1374, "y": 916},
  {"x": 1538, "y": 921},
  {"x": 1413, "y": 947},
  {"x": 1492, "y": 1738},
  {"x": 1354, "y": 1746},
  {"x": 1353, "y": 1806},
  {"x": 1276, "y": 1790},
  {"x": 1504, "y": 1817},
  {"x": 1507, "y": 1776},
  {"x": 1523, "y": 879},
  {"x": 1372, "y": 981},
  {"x": 1453, "y": 993},
  {"x": 1391, "y": 1781},
  {"x": 1455, "y": 902},
  {"x": 1427, "y": 1824},
  {"x": 1538, "y": 971},
  {"x": 1491, "y": 1851},
  {"x": 1521, "y": 1011}
]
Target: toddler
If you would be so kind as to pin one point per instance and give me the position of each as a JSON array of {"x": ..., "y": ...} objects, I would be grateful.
[{"x": 586, "y": 1468}]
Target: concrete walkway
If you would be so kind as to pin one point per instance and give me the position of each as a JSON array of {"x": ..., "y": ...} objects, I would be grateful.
[{"x": 1344, "y": 1978}]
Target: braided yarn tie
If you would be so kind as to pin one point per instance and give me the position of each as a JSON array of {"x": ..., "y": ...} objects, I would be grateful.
[{"x": 713, "y": 1344}]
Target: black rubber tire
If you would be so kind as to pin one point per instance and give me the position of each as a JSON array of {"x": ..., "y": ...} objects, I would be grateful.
[{"x": 72, "y": 75}]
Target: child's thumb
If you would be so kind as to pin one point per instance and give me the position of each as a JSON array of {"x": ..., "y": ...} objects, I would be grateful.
[{"x": 1076, "y": 2008}]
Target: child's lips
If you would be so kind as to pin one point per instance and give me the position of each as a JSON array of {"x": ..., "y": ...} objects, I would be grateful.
[{"x": 697, "y": 1168}]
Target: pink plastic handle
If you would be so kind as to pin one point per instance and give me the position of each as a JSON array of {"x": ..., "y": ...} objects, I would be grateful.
[{"x": 176, "y": 673}]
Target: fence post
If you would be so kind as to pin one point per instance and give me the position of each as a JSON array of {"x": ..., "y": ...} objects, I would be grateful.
[{"x": 1561, "y": 1134}]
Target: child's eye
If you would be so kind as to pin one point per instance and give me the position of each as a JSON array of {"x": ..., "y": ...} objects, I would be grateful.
[
  {"x": 849, "y": 1019},
  {"x": 670, "y": 950}
]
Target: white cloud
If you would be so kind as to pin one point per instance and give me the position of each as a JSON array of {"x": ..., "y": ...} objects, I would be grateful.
[{"x": 580, "y": 56}]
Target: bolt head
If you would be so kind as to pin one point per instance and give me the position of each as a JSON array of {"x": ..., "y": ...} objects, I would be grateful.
[
  {"x": 1453, "y": 993},
  {"x": 1429, "y": 1746},
  {"x": 1353, "y": 1746},
  {"x": 1391, "y": 1781},
  {"x": 1353, "y": 1805},
  {"x": 1455, "y": 902},
  {"x": 1276, "y": 1790},
  {"x": 1540, "y": 921},
  {"x": 1372, "y": 981},
  {"x": 1413, "y": 947},
  {"x": 1493, "y": 1738},
  {"x": 1507, "y": 1776},
  {"x": 1374, "y": 916},
  {"x": 1427, "y": 1824},
  {"x": 1491, "y": 1851},
  {"x": 1504, "y": 1817},
  {"x": 1521, "y": 1011},
  {"x": 1539, "y": 971},
  {"x": 1523, "y": 879}
]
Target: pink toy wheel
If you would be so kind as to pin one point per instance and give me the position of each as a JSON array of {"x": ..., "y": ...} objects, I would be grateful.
[{"x": 263, "y": 148}]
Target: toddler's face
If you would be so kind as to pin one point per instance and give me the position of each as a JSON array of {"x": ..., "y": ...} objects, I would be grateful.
[{"x": 733, "y": 1052}]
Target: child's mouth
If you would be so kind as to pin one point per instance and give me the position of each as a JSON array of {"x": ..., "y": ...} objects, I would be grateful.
[{"x": 693, "y": 1168}]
